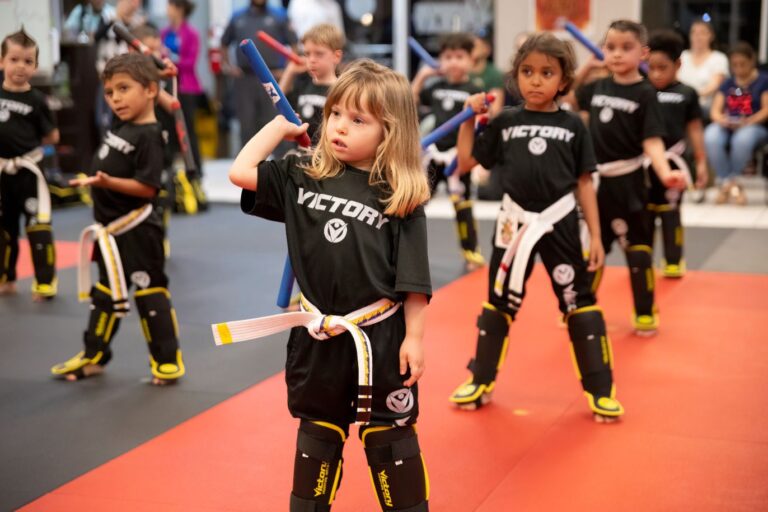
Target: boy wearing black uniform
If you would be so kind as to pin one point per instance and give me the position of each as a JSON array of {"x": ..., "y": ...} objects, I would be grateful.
[
  {"x": 682, "y": 116},
  {"x": 445, "y": 98},
  {"x": 26, "y": 124},
  {"x": 307, "y": 85},
  {"x": 625, "y": 122},
  {"x": 126, "y": 178}
]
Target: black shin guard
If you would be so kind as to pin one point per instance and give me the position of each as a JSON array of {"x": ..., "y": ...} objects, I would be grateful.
[
  {"x": 591, "y": 350},
  {"x": 5, "y": 255},
  {"x": 397, "y": 469},
  {"x": 43, "y": 259},
  {"x": 158, "y": 321},
  {"x": 672, "y": 234},
  {"x": 103, "y": 323},
  {"x": 317, "y": 467},
  {"x": 465, "y": 224},
  {"x": 641, "y": 276},
  {"x": 492, "y": 340}
]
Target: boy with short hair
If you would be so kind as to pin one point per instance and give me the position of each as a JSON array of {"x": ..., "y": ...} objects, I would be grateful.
[
  {"x": 626, "y": 124},
  {"x": 445, "y": 98},
  {"x": 26, "y": 124},
  {"x": 126, "y": 179},
  {"x": 307, "y": 85},
  {"x": 682, "y": 117}
]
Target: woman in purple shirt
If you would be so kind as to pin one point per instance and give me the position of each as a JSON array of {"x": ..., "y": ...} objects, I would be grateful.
[{"x": 182, "y": 40}]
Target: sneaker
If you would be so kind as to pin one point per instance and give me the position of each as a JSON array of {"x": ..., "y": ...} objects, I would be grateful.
[
  {"x": 471, "y": 396},
  {"x": 646, "y": 325},
  {"x": 673, "y": 270},
  {"x": 606, "y": 409}
]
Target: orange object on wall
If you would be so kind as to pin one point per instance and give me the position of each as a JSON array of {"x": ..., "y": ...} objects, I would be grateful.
[{"x": 548, "y": 11}]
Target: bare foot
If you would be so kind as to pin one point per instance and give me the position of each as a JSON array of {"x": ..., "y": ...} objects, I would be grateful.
[
  {"x": 162, "y": 382},
  {"x": 37, "y": 298},
  {"x": 89, "y": 370},
  {"x": 8, "y": 288},
  {"x": 599, "y": 418}
]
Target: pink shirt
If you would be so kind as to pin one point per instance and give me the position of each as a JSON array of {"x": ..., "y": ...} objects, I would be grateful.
[{"x": 188, "y": 48}]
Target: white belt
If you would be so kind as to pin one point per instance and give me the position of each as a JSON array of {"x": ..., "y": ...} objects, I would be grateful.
[
  {"x": 675, "y": 155},
  {"x": 320, "y": 327},
  {"x": 29, "y": 161},
  {"x": 110, "y": 255},
  {"x": 534, "y": 226},
  {"x": 620, "y": 167}
]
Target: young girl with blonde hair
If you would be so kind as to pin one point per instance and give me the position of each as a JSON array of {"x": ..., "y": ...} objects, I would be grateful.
[{"x": 356, "y": 234}]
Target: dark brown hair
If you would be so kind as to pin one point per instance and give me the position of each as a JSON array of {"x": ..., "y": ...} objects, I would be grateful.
[
  {"x": 186, "y": 6},
  {"x": 139, "y": 67},
  {"x": 457, "y": 41},
  {"x": 22, "y": 39},
  {"x": 546, "y": 43},
  {"x": 638, "y": 29},
  {"x": 743, "y": 48},
  {"x": 667, "y": 42}
]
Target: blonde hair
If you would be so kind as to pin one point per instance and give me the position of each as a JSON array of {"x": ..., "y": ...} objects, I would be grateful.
[
  {"x": 325, "y": 35},
  {"x": 397, "y": 164}
]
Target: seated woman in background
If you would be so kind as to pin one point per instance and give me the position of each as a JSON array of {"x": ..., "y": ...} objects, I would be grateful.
[{"x": 739, "y": 114}]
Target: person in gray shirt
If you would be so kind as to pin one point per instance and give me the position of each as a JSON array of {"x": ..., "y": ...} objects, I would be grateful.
[{"x": 253, "y": 107}]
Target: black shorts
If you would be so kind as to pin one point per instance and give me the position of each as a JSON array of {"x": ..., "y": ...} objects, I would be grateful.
[
  {"x": 435, "y": 176},
  {"x": 142, "y": 255},
  {"x": 322, "y": 376},
  {"x": 561, "y": 253},
  {"x": 623, "y": 205},
  {"x": 659, "y": 195}
]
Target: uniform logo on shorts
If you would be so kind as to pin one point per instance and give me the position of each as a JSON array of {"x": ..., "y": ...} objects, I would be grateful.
[
  {"x": 30, "y": 205},
  {"x": 335, "y": 230},
  {"x": 400, "y": 401},
  {"x": 537, "y": 146},
  {"x": 103, "y": 151},
  {"x": 606, "y": 114},
  {"x": 140, "y": 279},
  {"x": 4, "y": 115},
  {"x": 619, "y": 227},
  {"x": 563, "y": 274},
  {"x": 271, "y": 91}
]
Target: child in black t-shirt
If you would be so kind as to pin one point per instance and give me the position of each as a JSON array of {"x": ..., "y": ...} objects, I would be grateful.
[
  {"x": 26, "y": 123},
  {"x": 545, "y": 158},
  {"x": 626, "y": 124},
  {"x": 128, "y": 234},
  {"x": 682, "y": 117},
  {"x": 307, "y": 85},
  {"x": 357, "y": 242},
  {"x": 445, "y": 98}
]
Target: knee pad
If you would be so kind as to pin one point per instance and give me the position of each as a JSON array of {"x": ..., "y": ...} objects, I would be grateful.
[
  {"x": 492, "y": 341},
  {"x": 103, "y": 322},
  {"x": 398, "y": 472},
  {"x": 672, "y": 234},
  {"x": 158, "y": 322},
  {"x": 641, "y": 277},
  {"x": 43, "y": 251},
  {"x": 465, "y": 224},
  {"x": 318, "y": 466}
]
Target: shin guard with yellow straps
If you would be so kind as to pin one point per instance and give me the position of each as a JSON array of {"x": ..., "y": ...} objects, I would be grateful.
[
  {"x": 467, "y": 229},
  {"x": 43, "y": 251},
  {"x": 398, "y": 473},
  {"x": 317, "y": 468},
  {"x": 492, "y": 343},
  {"x": 186, "y": 200},
  {"x": 640, "y": 262},
  {"x": 672, "y": 235},
  {"x": 593, "y": 360},
  {"x": 103, "y": 323},
  {"x": 158, "y": 321}
]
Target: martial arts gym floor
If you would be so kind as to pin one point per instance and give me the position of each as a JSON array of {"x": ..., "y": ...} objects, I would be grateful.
[{"x": 694, "y": 437}]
